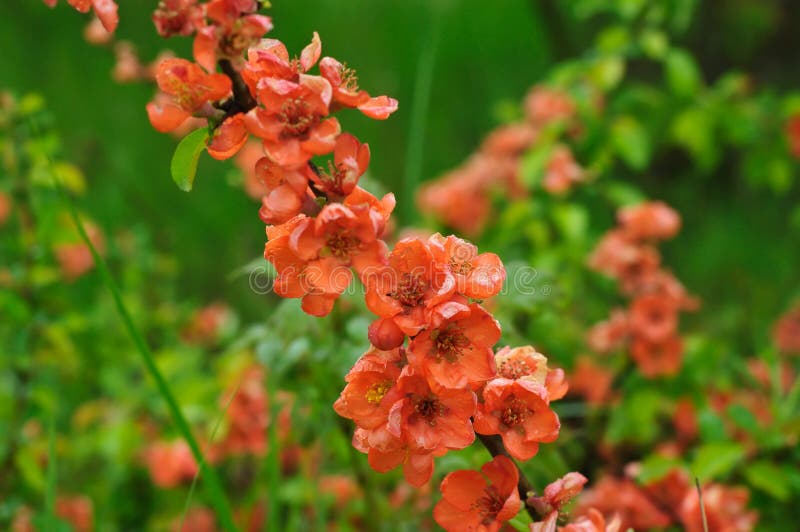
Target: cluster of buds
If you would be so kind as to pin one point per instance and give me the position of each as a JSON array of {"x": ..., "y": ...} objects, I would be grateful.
[
  {"x": 104, "y": 10},
  {"x": 649, "y": 327},
  {"x": 462, "y": 197}
]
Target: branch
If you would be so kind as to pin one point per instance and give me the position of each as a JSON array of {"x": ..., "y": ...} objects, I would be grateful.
[
  {"x": 242, "y": 100},
  {"x": 494, "y": 444}
]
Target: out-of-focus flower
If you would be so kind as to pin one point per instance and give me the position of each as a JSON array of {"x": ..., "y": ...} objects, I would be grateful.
[
  {"x": 170, "y": 463},
  {"x": 786, "y": 332},
  {"x": 5, "y": 207},
  {"x": 544, "y": 105},
  {"x": 558, "y": 493},
  {"x": 591, "y": 381},
  {"x": 562, "y": 172},
  {"x": 198, "y": 519},
  {"x": 793, "y": 135},
  {"x": 609, "y": 335},
  {"x": 95, "y": 33},
  {"x": 725, "y": 509},
  {"x": 105, "y": 10},
  {"x": 618, "y": 496},
  {"x": 207, "y": 324},
  {"x": 75, "y": 259},
  {"x": 343, "y": 488},
  {"x": 650, "y": 220}
]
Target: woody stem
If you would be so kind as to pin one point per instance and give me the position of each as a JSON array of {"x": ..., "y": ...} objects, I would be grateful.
[
  {"x": 494, "y": 444},
  {"x": 242, "y": 100}
]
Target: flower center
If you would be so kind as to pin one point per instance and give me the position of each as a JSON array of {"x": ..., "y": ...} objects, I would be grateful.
[
  {"x": 333, "y": 177},
  {"x": 410, "y": 289},
  {"x": 449, "y": 343},
  {"x": 489, "y": 505},
  {"x": 515, "y": 368},
  {"x": 515, "y": 413},
  {"x": 342, "y": 245},
  {"x": 428, "y": 408},
  {"x": 377, "y": 391},
  {"x": 460, "y": 268},
  {"x": 296, "y": 117},
  {"x": 349, "y": 78}
]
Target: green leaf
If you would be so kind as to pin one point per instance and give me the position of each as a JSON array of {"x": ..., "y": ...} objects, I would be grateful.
[
  {"x": 713, "y": 460},
  {"x": 184, "y": 160},
  {"x": 683, "y": 76},
  {"x": 631, "y": 142},
  {"x": 655, "y": 467},
  {"x": 769, "y": 478}
]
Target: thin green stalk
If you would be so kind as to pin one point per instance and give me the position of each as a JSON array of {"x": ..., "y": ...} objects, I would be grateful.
[
  {"x": 211, "y": 481},
  {"x": 210, "y": 440},
  {"x": 420, "y": 106},
  {"x": 52, "y": 476}
]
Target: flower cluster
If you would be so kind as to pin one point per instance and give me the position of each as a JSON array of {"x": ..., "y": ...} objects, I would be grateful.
[
  {"x": 432, "y": 380},
  {"x": 649, "y": 327},
  {"x": 462, "y": 197}
]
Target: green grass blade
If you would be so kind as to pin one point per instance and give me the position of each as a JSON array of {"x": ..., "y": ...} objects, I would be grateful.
[
  {"x": 214, "y": 430},
  {"x": 52, "y": 476},
  {"x": 420, "y": 107},
  {"x": 211, "y": 481}
]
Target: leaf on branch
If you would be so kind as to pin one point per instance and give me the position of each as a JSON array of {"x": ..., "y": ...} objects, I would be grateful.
[{"x": 184, "y": 160}]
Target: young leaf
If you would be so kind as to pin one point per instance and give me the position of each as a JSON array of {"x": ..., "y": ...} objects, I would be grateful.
[
  {"x": 716, "y": 459},
  {"x": 184, "y": 160}
]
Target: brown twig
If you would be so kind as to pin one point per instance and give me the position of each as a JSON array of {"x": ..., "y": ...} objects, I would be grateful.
[
  {"x": 494, "y": 444},
  {"x": 242, "y": 100}
]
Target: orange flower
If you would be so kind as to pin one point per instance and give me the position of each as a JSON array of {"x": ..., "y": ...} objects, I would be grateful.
[
  {"x": 477, "y": 276},
  {"x": 230, "y": 33},
  {"x": 509, "y": 140},
  {"x": 519, "y": 412},
  {"x": 593, "y": 521},
  {"x": 177, "y": 17},
  {"x": 428, "y": 418},
  {"x": 475, "y": 501},
  {"x": 106, "y": 10},
  {"x": 366, "y": 398},
  {"x": 350, "y": 161},
  {"x": 658, "y": 358},
  {"x": 684, "y": 419},
  {"x": 291, "y": 122},
  {"x": 653, "y": 318},
  {"x": 528, "y": 364},
  {"x": 170, "y": 463},
  {"x": 650, "y": 220},
  {"x": 270, "y": 59},
  {"x": 385, "y": 452},
  {"x": 456, "y": 349},
  {"x": 346, "y": 92},
  {"x": 228, "y": 138},
  {"x": 207, "y": 324},
  {"x": 404, "y": 293},
  {"x": 247, "y": 158},
  {"x": 190, "y": 88},
  {"x": 558, "y": 493},
  {"x": 286, "y": 191}
]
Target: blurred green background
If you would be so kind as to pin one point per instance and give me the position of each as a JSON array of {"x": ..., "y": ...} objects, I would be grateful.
[{"x": 487, "y": 55}]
